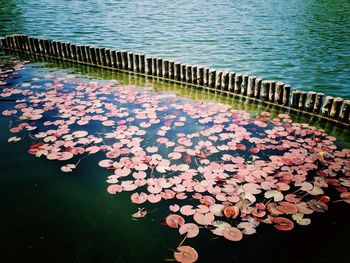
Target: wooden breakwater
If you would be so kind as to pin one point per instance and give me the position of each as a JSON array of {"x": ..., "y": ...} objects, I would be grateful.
[{"x": 252, "y": 87}]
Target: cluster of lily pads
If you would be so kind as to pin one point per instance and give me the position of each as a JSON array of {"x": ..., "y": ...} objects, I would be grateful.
[{"x": 224, "y": 170}]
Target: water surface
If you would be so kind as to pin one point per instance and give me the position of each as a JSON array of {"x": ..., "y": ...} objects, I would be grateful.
[{"x": 305, "y": 43}]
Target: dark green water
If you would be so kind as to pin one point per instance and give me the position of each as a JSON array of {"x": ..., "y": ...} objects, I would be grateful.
[
  {"x": 49, "y": 216},
  {"x": 305, "y": 43}
]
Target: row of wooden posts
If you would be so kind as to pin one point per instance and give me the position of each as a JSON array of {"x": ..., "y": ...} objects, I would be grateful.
[{"x": 239, "y": 84}]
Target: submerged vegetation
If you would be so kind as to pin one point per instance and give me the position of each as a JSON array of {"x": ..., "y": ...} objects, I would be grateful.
[{"x": 223, "y": 170}]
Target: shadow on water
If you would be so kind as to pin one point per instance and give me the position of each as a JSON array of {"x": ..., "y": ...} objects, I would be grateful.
[{"x": 51, "y": 217}]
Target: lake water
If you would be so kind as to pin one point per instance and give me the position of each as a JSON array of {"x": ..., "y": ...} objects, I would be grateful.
[
  {"x": 51, "y": 216},
  {"x": 304, "y": 43}
]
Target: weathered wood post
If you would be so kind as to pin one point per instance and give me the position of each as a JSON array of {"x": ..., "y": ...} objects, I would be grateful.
[
  {"x": 177, "y": 71},
  {"x": 225, "y": 81},
  {"x": 302, "y": 100},
  {"x": 238, "y": 83},
  {"x": 88, "y": 54},
  {"x": 159, "y": 67},
  {"x": 212, "y": 78},
  {"x": 183, "y": 72},
  {"x": 124, "y": 60},
  {"x": 279, "y": 92},
  {"x": 345, "y": 112},
  {"x": 206, "y": 77},
  {"x": 188, "y": 74},
  {"x": 114, "y": 58},
  {"x": 286, "y": 94},
  {"x": 119, "y": 59},
  {"x": 251, "y": 85},
  {"x": 310, "y": 101},
  {"x": 136, "y": 63},
  {"x": 165, "y": 68},
  {"x": 244, "y": 86},
  {"x": 265, "y": 90},
  {"x": 231, "y": 82},
  {"x": 194, "y": 74},
  {"x": 149, "y": 66},
  {"x": 336, "y": 108},
  {"x": 327, "y": 105},
  {"x": 154, "y": 66},
  {"x": 257, "y": 88},
  {"x": 142, "y": 63},
  {"x": 295, "y": 99},
  {"x": 130, "y": 61},
  {"x": 318, "y": 103},
  {"x": 218, "y": 80},
  {"x": 93, "y": 55},
  {"x": 272, "y": 91},
  {"x": 171, "y": 69}
]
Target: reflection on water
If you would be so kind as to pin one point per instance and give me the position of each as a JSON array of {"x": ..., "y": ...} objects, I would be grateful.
[
  {"x": 305, "y": 43},
  {"x": 42, "y": 202}
]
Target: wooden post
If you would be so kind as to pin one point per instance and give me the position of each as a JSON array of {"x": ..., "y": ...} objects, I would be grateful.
[
  {"x": 159, "y": 67},
  {"x": 119, "y": 60},
  {"x": 318, "y": 103},
  {"x": 295, "y": 98},
  {"x": 36, "y": 45},
  {"x": 154, "y": 66},
  {"x": 183, "y": 72},
  {"x": 244, "y": 86},
  {"x": 136, "y": 62},
  {"x": 79, "y": 54},
  {"x": 272, "y": 85},
  {"x": 114, "y": 58},
  {"x": 177, "y": 71},
  {"x": 26, "y": 43},
  {"x": 188, "y": 74},
  {"x": 200, "y": 76},
  {"x": 286, "y": 94},
  {"x": 53, "y": 48},
  {"x": 142, "y": 63},
  {"x": 98, "y": 56},
  {"x": 345, "y": 112},
  {"x": 194, "y": 74},
  {"x": 149, "y": 63},
  {"x": 327, "y": 105},
  {"x": 231, "y": 82},
  {"x": 124, "y": 60},
  {"x": 212, "y": 78},
  {"x": 88, "y": 54},
  {"x": 225, "y": 81},
  {"x": 46, "y": 46},
  {"x": 218, "y": 80},
  {"x": 336, "y": 107},
  {"x": 279, "y": 92},
  {"x": 171, "y": 69},
  {"x": 106, "y": 57},
  {"x": 165, "y": 68},
  {"x": 310, "y": 101},
  {"x": 93, "y": 55},
  {"x": 130, "y": 61},
  {"x": 67, "y": 51},
  {"x": 302, "y": 100},
  {"x": 265, "y": 90},
  {"x": 84, "y": 55},
  {"x": 73, "y": 52},
  {"x": 257, "y": 88},
  {"x": 32, "y": 47},
  {"x": 238, "y": 83},
  {"x": 206, "y": 77},
  {"x": 251, "y": 85}
]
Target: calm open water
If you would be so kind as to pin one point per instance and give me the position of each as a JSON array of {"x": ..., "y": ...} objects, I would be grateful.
[
  {"x": 305, "y": 43},
  {"x": 51, "y": 217}
]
